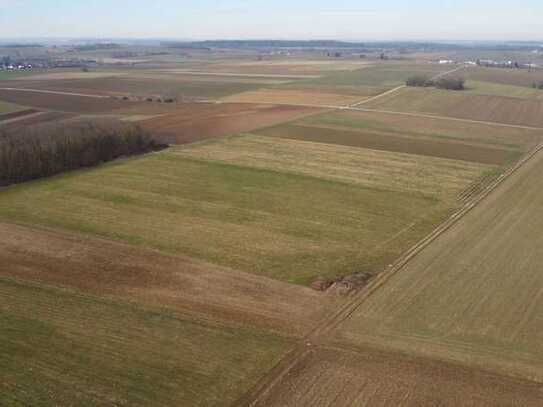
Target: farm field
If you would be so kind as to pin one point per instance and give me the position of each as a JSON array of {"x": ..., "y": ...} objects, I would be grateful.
[
  {"x": 425, "y": 128},
  {"x": 332, "y": 377},
  {"x": 191, "y": 122},
  {"x": 427, "y": 176},
  {"x": 60, "y": 347},
  {"x": 499, "y": 109},
  {"x": 192, "y": 276},
  {"x": 474, "y": 295},
  {"x": 295, "y": 96},
  {"x": 143, "y": 276},
  {"x": 260, "y": 221}
]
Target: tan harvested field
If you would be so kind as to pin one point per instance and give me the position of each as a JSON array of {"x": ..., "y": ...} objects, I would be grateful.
[
  {"x": 296, "y": 96},
  {"x": 475, "y": 294},
  {"x": 392, "y": 142},
  {"x": 433, "y": 177},
  {"x": 195, "y": 122},
  {"x": 337, "y": 378},
  {"x": 102, "y": 267},
  {"x": 465, "y": 105},
  {"x": 289, "y": 67}
]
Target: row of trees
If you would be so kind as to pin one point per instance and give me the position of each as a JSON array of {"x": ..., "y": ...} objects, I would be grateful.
[
  {"x": 441, "y": 83},
  {"x": 41, "y": 151}
]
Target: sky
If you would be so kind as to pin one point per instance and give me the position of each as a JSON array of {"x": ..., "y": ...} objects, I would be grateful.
[{"x": 275, "y": 19}]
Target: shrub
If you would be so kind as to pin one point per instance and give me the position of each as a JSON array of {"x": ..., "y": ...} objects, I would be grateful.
[
  {"x": 450, "y": 83},
  {"x": 41, "y": 151},
  {"x": 419, "y": 81}
]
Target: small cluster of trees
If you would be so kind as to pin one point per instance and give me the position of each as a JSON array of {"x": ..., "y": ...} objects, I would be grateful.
[
  {"x": 41, "y": 151},
  {"x": 441, "y": 83},
  {"x": 538, "y": 85}
]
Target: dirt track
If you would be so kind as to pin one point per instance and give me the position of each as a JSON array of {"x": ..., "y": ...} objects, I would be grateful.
[{"x": 319, "y": 337}]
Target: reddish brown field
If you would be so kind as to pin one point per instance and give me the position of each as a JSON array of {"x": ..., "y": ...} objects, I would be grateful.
[
  {"x": 341, "y": 378},
  {"x": 144, "y": 276},
  {"x": 193, "y": 122}
]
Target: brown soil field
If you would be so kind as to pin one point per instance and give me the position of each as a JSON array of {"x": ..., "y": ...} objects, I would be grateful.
[
  {"x": 341, "y": 378},
  {"x": 475, "y": 295},
  {"x": 387, "y": 141},
  {"x": 284, "y": 96},
  {"x": 102, "y": 267},
  {"x": 499, "y": 109},
  {"x": 194, "y": 122},
  {"x": 66, "y": 103}
]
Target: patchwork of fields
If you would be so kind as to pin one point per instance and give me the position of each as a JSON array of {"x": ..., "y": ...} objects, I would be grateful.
[
  {"x": 184, "y": 274},
  {"x": 465, "y": 105}
]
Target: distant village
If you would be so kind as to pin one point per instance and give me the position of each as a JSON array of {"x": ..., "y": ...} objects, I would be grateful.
[
  {"x": 490, "y": 63},
  {"x": 11, "y": 64}
]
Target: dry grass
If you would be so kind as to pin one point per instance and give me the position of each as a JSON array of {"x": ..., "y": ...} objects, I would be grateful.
[
  {"x": 342, "y": 379},
  {"x": 433, "y": 177},
  {"x": 475, "y": 295}
]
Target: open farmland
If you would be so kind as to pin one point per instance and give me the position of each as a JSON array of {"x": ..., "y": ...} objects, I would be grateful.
[
  {"x": 177, "y": 86},
  {"x": 294, "y": 97},
  {"x": 143, "y": 276},
  {"x": 475, "y": 294},
  {"x": 63, "y": 348},
  {"x": 428, "y": 176},
  {"x": 194, "y": 122},
  {"x": 328, "y": 377},
  {"x": 286, "y": 226},
  {"x": 464, "y": 105},
  {"x": 6, "y": 108}
]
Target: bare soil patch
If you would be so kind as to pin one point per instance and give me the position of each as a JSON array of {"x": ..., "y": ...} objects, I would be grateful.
[
  {"x": 194, "y": 122},
  {"x": 108, "y": 268}
]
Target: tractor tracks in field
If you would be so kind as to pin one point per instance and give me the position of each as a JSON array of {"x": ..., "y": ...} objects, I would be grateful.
[{"x": 315, "y": 339}]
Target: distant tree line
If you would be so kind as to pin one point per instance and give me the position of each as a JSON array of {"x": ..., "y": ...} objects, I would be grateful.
[
  {"x": 441, "y": 83},
  {"x": 41, "y": 151}
]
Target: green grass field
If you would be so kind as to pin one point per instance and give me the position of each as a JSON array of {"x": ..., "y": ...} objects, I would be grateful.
[
  {"x": 62, "y": 348},
  {"x": 286, "y": 226}
]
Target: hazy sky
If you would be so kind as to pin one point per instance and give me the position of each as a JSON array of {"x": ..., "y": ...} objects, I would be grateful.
[{"x": 280, "y": 19}]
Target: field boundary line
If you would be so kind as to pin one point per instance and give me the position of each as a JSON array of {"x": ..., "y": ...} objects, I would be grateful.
[
  {"x": 398, "y": 88},
  {"x": 314, "y": 339},
  {"x": 437, "y": 117},
  {"x": 55, "y": 92}
]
